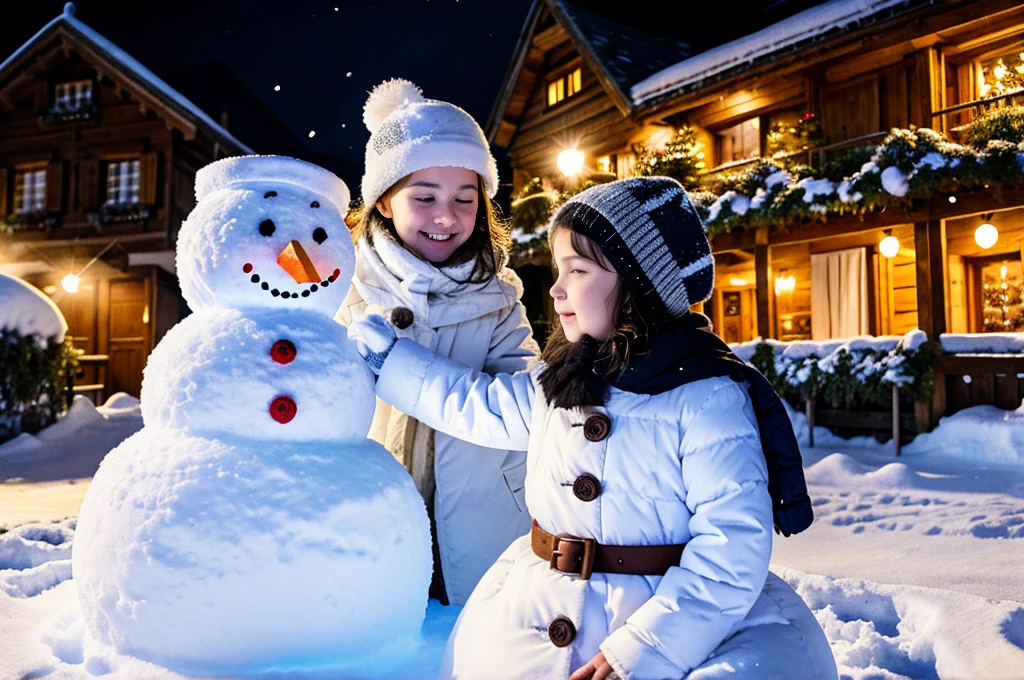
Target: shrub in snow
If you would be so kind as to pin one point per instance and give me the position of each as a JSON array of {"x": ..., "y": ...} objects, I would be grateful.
[
  {"x": 36, "y": 378},
  {"x": 1006, "y": 124},
  {"x": 855, "y": 375}
]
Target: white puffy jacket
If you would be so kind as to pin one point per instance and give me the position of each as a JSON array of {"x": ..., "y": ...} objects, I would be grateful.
[
  {"x": 684, "y": 466},
  {"x": 478, "y": 501}
]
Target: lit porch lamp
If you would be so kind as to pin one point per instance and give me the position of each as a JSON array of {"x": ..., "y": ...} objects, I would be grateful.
[
  {"x": 570, "y": 161},
  {"x": 785, "y": 284},
  {"x": 71, "y": 281},
  {"x": 890, "y": 245},
  {"x": 986, "y": 234}
]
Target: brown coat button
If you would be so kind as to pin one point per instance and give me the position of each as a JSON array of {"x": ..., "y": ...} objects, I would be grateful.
[
  {"x": 561, "y": 631},
  {"x": 597, "y": 427},
  {"x": 586, "y": 487}
]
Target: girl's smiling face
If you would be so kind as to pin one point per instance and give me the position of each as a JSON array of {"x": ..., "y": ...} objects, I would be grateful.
[
  {"x": 585, "y": 293},
  {"x": 434, "y": 210}
]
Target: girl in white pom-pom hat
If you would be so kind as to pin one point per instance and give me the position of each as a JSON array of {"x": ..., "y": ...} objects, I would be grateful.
[{"x": 428, "y": 239}]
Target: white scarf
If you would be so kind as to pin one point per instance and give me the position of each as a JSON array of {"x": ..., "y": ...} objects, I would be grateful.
[{"x": 388, "y": 275}]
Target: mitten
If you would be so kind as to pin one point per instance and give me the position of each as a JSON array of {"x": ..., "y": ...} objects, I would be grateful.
[{"x": 374, "y": 337}]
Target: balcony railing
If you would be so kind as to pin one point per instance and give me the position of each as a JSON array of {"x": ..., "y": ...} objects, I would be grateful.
[
  {"x": 61, "y": 114},
  {"x": 34, "y": 220},
  {"x": 952, "y": 119},
  {"x": 815, "y": 157}
]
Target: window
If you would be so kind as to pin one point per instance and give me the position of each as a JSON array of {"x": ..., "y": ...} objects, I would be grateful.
[
  {"x": 73, "y": 96},
  {"x": 1002, "y": 297},
  {"x": 29, "y": 191},
  {"x": 739, "y": 142},
  {"x": 625, "y": 165},
  {"x": 565, "y": 86},
  {"x": 122, "y": 182},
  {"x": 606, "y": 164},
  {"x": 1001, "y": 74}
]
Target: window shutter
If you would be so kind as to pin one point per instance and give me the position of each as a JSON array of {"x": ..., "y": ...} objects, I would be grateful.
[
  {"x": 148, "y": 178},
  {"x": 3, "y": 191},
  {"x": 90, "y": 184},
  {"x": 54, "y": 186}
]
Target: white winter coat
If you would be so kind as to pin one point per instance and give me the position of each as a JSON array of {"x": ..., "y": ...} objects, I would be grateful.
[
  {"x": 479, "y": 507},
  {"x": 685, "y": 466}
]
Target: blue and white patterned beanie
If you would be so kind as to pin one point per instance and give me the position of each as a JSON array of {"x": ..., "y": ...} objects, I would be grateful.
[
  {"x": 650, "y": 232},
  {"x": 410, "y": 133}
]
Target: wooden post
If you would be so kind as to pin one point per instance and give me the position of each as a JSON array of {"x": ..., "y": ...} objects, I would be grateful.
[
  {"x": 896, "y": 419},
  {"x": 810, "y": 419},
  {"x": 930, "y": 246},
  {"x": 765, "y": 287}
]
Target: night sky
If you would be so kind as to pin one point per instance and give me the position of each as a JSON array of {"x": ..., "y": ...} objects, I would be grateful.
[{"x": 455, "y": 50}]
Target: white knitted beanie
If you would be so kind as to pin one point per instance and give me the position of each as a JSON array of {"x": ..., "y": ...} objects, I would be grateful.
[{"x": 410, "y": 133}]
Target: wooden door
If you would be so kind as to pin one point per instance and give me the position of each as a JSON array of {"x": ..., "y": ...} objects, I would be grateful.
[{"x": 129, "y": 334}]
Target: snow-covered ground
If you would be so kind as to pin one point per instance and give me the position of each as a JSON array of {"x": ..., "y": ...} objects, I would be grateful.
[{"x": 913, "y": 565}]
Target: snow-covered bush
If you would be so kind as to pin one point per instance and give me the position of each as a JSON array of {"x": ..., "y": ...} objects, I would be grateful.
[
  {"x": 857, "y": 375},
  {"x": 36, "y": 378}
]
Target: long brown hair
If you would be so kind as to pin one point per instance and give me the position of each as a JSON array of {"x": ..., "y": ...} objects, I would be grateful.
[
  {"x": 489, "y": 243},
  {"x": 579, "y": 373}
]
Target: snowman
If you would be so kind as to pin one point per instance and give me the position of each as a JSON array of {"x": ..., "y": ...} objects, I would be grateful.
[{"x": 251, "y": 526}]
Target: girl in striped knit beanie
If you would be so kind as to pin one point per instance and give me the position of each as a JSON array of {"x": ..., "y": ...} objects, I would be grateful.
[{"x": 657, "y": 465}]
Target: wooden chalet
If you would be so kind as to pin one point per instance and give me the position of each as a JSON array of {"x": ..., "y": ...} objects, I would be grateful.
[
  {"x": 862, "y": 67},
  {"x": 97, "y": 163}
]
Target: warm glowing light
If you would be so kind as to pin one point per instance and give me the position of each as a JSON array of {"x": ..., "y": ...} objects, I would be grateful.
[
  {"x": 1002, "y": 273},
  {"x": 312, "y": 133},
  {"x": 889, "y": 246},
  {"x": 952, "y": 199},
  {"x": 604, "y": 164},
  {"x": 738, "y": 282},
  {"x": 986, "y": 235},
  {"x": 70, "y": 283},
  {"x": 570, "y": 161},
  {"x": 785, "y": 284}
]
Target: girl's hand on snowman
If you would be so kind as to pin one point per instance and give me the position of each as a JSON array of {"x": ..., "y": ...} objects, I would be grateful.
[
  {"x": 374, "y": 337},
  {"x": 597, "y": 668}
]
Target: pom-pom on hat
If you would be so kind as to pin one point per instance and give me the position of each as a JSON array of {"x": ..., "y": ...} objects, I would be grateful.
[
  {"x": 237, "y": 171},
  {"x": 410, "y": 133},
  {"x": 650, "y": 232}
]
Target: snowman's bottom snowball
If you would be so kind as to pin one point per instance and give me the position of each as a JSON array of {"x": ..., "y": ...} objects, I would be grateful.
[{"x": 211, "y": 557}]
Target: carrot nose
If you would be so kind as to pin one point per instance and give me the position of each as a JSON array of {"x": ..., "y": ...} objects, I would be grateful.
[{"x": 294, "y": 260}]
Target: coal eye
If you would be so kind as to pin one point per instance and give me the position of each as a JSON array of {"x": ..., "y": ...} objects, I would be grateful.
[
  {"x": 319, "y": 235},
  {"x": 270, "y": 194},
  {"x": 314, "y": 204},
  {"x": 267, "y": 227}
]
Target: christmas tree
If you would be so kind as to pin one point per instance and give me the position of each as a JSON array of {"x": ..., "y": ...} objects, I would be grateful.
[
  {"x": 681, "y": 159},
  {"x": 1003, "y": 299}
]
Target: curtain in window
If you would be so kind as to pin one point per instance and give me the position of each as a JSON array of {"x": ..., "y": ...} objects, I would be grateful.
[{"x": 839, "y": 294}]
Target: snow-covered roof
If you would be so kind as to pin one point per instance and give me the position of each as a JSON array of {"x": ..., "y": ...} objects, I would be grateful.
[
  {"x": 140, "y": 74},
  {"x": 811, "y": 24}
]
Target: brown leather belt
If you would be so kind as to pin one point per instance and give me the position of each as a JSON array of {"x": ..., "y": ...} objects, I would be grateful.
[{"x": 583, "y": 556}]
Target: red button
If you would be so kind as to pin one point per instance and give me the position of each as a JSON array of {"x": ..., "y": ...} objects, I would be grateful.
[
  {"x": 283, "y": 409},
  {"x": 283, "y": 352}
]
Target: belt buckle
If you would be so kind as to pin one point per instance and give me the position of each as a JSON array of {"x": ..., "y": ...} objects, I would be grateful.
[{"x": 578, "y": 554}]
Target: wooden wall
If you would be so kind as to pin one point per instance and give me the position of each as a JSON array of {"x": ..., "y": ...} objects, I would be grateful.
[{"x": 588, "y": 120}]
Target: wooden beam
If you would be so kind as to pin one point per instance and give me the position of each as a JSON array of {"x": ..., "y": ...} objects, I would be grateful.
[
  {"x": 763, "y": 288},
  {"x": 967, "y": 364},
  {"x": 930, "y": 244}
]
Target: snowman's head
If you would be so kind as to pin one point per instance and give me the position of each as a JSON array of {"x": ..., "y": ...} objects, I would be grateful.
[{"x": 267, "y": 231}]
